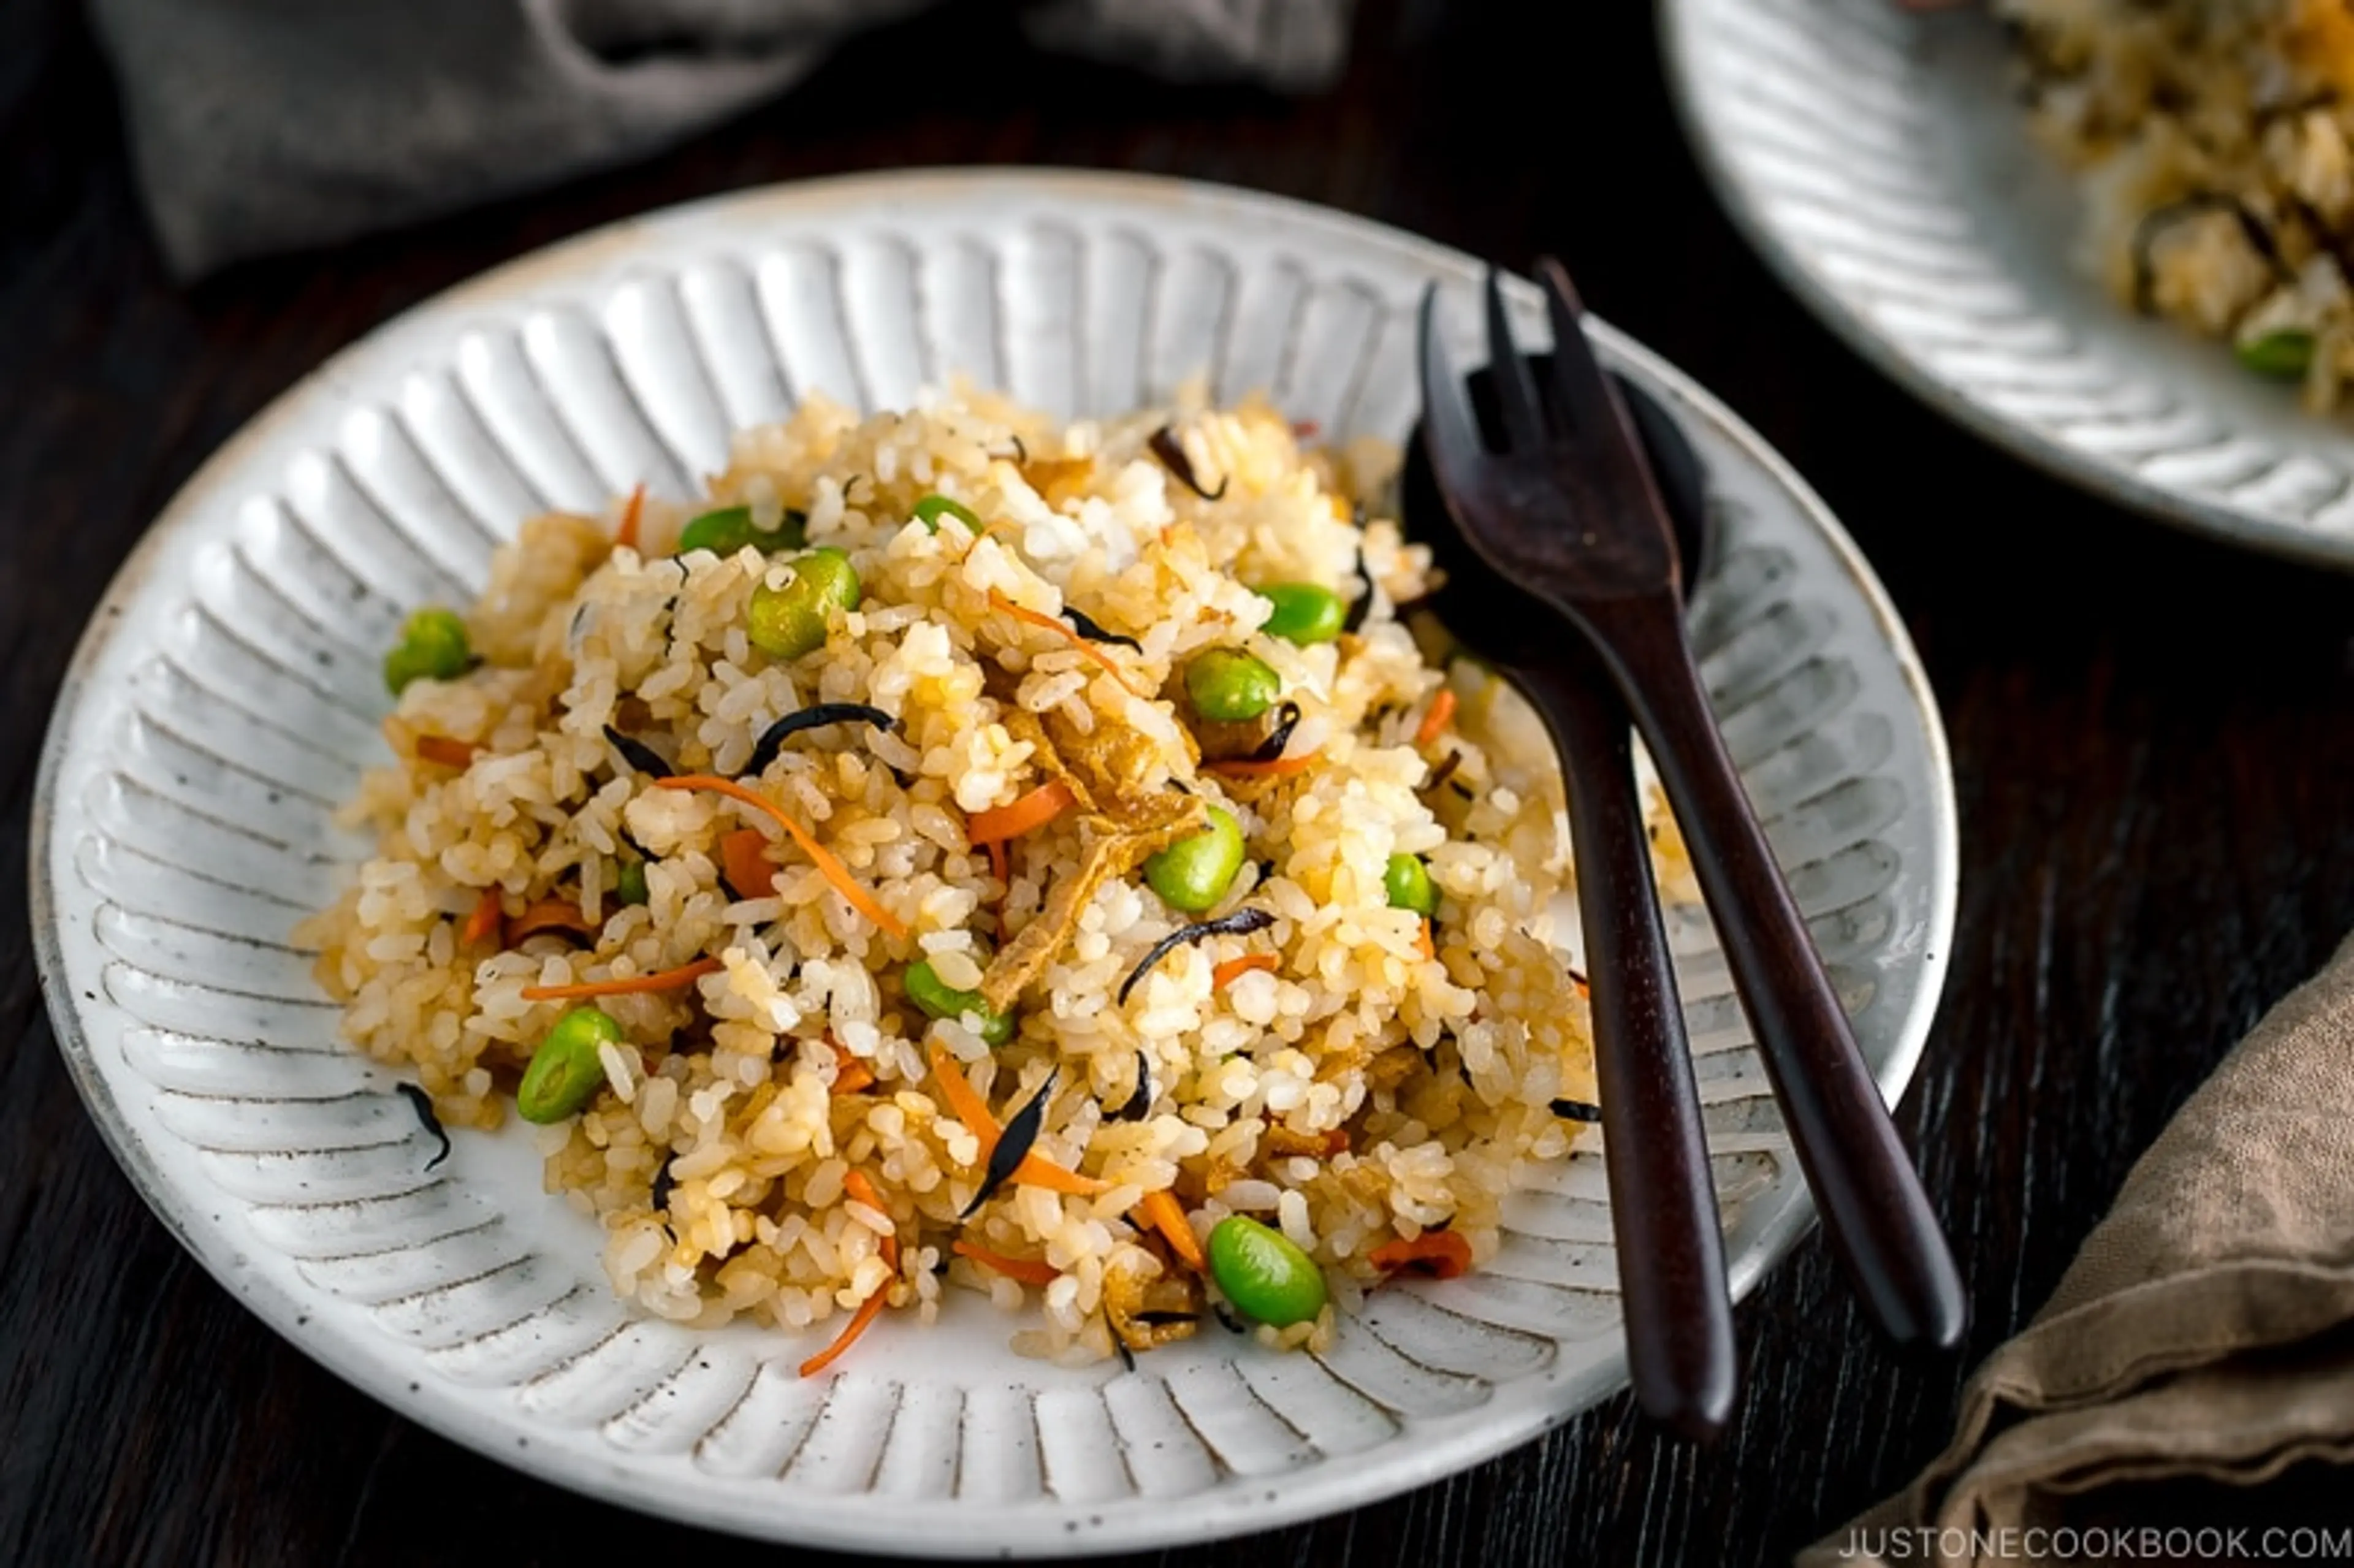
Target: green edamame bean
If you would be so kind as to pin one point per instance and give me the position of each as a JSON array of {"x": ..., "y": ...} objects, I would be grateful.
[
  {"x": 932, "y": 508},
  {"x": 1408, "y": 882},
  {"x": 565, "y": 1073},
  {"x": 1264, "y": 1273},
  {"x": 433, "y": 646},
  {"x": 1193, "y": 873},
  {"x": 939, "y": 999},
  {"x": 1304, "y": 613},
  {"x": 789, "y": 621},
  {"x": 1226, "y": 685},
  {"x": 630, "y": 881},
  {"x": 2287, "y": 354},
  {"x": 729, "y": 529}
]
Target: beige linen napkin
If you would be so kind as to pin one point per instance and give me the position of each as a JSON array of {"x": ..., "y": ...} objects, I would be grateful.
[{"x": 2192, "y": 1336}]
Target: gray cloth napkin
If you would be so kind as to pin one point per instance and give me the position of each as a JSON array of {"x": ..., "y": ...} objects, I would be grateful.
[
  {"x": 266, "y": 125},
  {"x": 2201, "y": 1332}
]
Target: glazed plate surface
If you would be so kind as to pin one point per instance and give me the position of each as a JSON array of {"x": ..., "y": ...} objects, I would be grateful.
[
  {"x": 227, "y": 695},
  {"x": 1880, "y": 160}
]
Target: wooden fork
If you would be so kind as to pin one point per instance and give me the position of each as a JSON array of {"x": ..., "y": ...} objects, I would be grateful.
[{"x": 1568, "y": 511}]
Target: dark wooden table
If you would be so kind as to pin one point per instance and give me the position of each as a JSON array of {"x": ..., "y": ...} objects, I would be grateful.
[{"x": 2151, "y": 737}]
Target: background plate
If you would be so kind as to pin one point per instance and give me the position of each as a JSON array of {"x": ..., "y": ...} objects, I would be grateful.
[
  {"x": 1880, "y": 160},
  {"x": 226, "y": 694}
]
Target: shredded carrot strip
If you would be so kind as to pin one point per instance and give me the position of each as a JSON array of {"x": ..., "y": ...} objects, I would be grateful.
[
  {"x": 1036, "y": 1169},
  {"x": 963, "y": 1098},
  {"x": 1035, "y": 809},
  {"x": 1165, "y": 1213},
  {"x": 1423, "y": 943},
  {"x": 627, "y": 533},
  {"x": 1240, "y": 767},
  {"x": 860, "y": 1321},
  {"x": 1233, "y": 969},
  {"x": 856, "y": 1184},
  {"x": 1442, "y": 1254},
  {"x": 1028, "y": 1270},
  {"x": 485, "y": 921},
  {"x": 859, "y": 1188},
  {"x": 744, "y": 861},
  {"x": 834, "y": 871},
  {"x": 548, "y": 915},
  {"x": 661, "y": 980},
  {"x": 449, "y": 753},
  {"x": 850, "y": 1074},
  {"x": 1000, "y": 864},
  {"x": 1094, "y": 651},
  {"x": 1435, "y": 721}
]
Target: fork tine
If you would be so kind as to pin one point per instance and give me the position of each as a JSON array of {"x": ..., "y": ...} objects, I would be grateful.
[
  {"x": 1516, "y": 393},
  {"x": 1588, "y": 405},
  {"x": 1448, "y": 429}
]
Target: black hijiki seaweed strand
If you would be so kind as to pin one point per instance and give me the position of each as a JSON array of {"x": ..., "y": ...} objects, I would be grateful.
[
  {"x": 1014, "y": 1145},
  {"x": 660, "y": 1198},
  {"x": 1287, "y": 719},
  {"x": 1165, "y": 446},
  {"x": 638, "y": 755},
  {"x": 1363, "y": 605},
  {"x": 817, "y": 715},
  {"x": 1241, "y": 923},
  {"x": 422, "y": 1104},
  {"x": 1093, "y": 629},
  {"x": 1140, "y": 1101}
]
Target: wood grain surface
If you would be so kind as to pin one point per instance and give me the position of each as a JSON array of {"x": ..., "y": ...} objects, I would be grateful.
[{"x": 2153, "y": 739}]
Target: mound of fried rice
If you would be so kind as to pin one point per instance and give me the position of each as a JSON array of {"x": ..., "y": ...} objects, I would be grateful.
[
  {"x": 2216, "y": 143},
  {"x": 1378, "y": 1081}
]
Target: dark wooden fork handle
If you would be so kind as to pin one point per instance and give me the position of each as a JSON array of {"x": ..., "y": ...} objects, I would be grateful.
[
  {"x": 1878, "y": 1219},
  {"x": 1679, "y": 1347}
]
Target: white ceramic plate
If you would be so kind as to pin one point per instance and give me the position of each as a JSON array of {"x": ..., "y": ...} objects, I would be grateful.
[
  {"x": 1880, "y": 160},
  {"x": 227, "y": 694}
]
